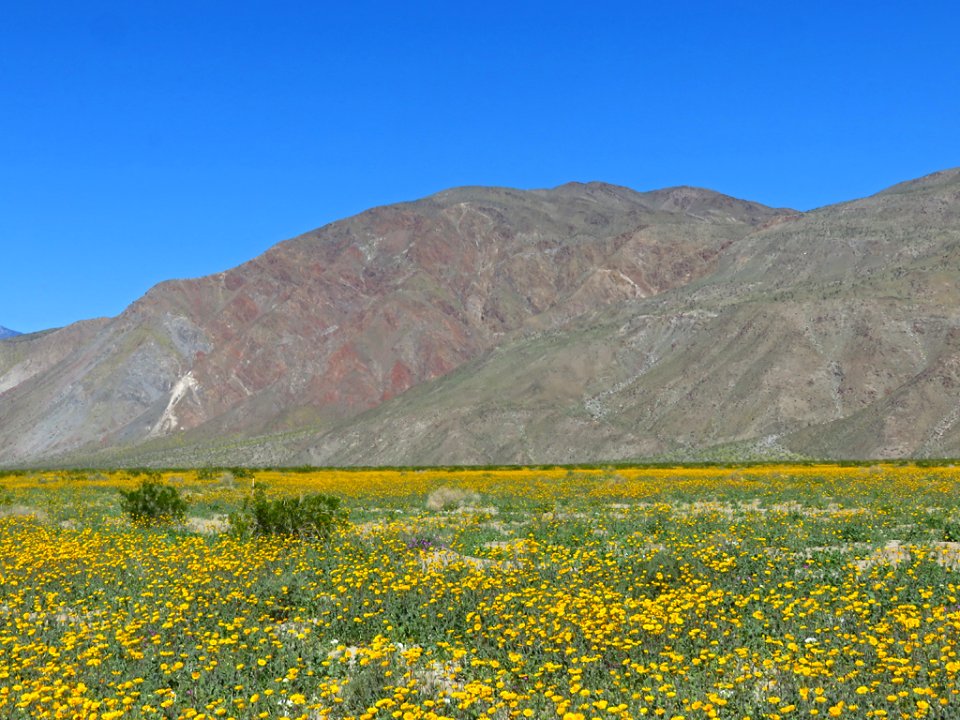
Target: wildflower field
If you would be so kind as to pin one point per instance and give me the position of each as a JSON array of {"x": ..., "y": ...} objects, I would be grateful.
[{"x": 761, "y": 592}]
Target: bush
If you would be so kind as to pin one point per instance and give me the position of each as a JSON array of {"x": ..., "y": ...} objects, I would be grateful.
[
  {"x": 307, "y": 516},
  {"x": 153, "y": 502},
  {"x": 213, "y": 473},
  {"x": 151, "y": 473}
]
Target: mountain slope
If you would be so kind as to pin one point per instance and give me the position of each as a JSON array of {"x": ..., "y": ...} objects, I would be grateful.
[
  {"x": 332, "y": 324},
  {"x": 7, "y": 333},
  {"x": 831, "y": 334},
  {"x": 485, "y": 325}
]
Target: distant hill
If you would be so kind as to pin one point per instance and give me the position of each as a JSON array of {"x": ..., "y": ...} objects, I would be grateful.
[
  {"x": 7, "y": 333},
  {"x": 485, "y": 325}
]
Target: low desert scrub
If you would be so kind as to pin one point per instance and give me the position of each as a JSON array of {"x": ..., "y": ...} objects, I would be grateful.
[
  {"x": 153, "y": 503},
  {"x": 307, "y": 516}
]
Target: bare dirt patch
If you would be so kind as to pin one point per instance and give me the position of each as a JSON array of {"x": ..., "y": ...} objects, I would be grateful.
[
  {"x": 207, "y": 526},
  {"x": 24, "y": 511}
]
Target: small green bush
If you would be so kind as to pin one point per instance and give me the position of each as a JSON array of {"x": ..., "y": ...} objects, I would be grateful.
[
  {"x": 307, "y": 516},
  {"x": 154, "y": 503},
  {"x": 215, "y": 473},
  {"x": 150, "y": 473}
]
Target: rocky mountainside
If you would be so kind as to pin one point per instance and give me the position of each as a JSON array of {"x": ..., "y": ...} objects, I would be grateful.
[
  {"x": 7, "y": 333},
  {"x": 480, "y": 325}
]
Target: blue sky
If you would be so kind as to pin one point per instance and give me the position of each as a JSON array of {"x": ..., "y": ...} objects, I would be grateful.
[{"x": 141, "y": 141}]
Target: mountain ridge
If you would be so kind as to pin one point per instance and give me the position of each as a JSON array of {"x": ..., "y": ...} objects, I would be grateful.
[{"x": 584, "y": 322}]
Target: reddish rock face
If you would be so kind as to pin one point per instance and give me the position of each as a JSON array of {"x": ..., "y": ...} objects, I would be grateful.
[
  {"x": 337, "y": 321},
  {"x": 485, "y": 325},
  {"x": 358, "y": 312},
  {"x": 400, "y": 379}
]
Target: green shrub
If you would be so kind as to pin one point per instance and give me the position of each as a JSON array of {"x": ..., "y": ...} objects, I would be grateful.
[
  {"x": 150, "y": 473},
  {"x": 153, "y": 502},
  {"x": 214, "y": 473},
  {"x": 307, "y": 516}
]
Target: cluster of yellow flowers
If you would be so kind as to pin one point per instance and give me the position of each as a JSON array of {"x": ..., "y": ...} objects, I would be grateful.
[{"x": 760, "y": 592}]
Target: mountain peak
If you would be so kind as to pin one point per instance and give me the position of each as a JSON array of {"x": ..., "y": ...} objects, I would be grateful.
[
  {"x": 7, "y": 333},
  {"x": 704, "y": 203}
]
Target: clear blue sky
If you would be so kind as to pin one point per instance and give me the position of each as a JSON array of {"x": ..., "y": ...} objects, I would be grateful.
[{"x": 141, "y": 141}]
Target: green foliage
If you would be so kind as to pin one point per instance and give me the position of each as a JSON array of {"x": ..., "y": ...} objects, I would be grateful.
[
  {"x": 943, "y": 526},
  {"x": 145, "y": 471},
  {"x": 212, "y": 472},
  {"x": 153, "y": 502},
  {"x": 306, "y": 516}
]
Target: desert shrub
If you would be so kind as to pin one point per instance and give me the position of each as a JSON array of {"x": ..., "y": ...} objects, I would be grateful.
[
  {"x": 449, "y": 498},
  {"x": 224, "y": 474},
  {"x": 153, "y": 502},
  {"x": 148, "y": 472},
  {"x": 307, "y": 516}
]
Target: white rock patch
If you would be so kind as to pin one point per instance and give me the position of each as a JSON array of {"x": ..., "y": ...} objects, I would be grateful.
[{"x": 168, "y": 421}]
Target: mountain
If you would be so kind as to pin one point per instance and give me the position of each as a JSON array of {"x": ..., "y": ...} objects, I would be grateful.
[
  {"x": 7, "y": 333},
  {"x": 483, "y": 325}
]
